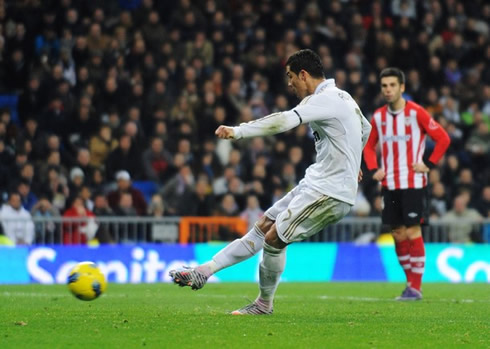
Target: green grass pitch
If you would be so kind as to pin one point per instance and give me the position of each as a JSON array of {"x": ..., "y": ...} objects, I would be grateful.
[{"x": 306, "y": 315}]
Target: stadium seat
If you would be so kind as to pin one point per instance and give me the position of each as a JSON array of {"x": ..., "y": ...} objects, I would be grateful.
[{"x": 148, "y": 188}]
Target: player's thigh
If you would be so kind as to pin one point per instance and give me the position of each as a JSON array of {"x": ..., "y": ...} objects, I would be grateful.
[
  {"x": 307, "y": 214},
  {"x": 282, "y": 204},
  {"x": 415, "y": 209},
  {"x": 392, "y": 208}
]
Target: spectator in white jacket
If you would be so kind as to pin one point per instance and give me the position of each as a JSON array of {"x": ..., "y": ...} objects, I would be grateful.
[{"x": 17, "y": 221}]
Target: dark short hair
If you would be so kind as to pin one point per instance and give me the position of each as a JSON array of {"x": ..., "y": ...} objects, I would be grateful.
[
  {"x": 391, "y": 71},
  {"x": 306, "y": 60}
]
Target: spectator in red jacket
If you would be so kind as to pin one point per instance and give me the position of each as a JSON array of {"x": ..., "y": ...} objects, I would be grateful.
[{"x": 80, "y": 226}]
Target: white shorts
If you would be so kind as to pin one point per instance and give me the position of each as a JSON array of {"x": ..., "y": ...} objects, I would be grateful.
[{"x": 303, "y": 212}]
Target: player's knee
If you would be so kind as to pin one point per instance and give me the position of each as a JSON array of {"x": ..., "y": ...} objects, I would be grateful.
[
  {"x": 272, "y": 239},
  {"x": 414, "y": 231},
  {"x": 398, "y": 234},
  {"x": 264, "y": 224}
]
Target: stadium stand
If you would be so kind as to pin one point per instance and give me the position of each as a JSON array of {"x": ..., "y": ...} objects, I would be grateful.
[{"x": 174, "y": 71}]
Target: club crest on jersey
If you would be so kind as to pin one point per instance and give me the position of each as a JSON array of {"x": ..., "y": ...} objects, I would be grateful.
[
  {"x": 408, "y": 120},
  {"x": 432, "y": 124}
]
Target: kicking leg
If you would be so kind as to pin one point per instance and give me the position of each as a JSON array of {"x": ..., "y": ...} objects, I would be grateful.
[{"x": 236, "y": 252}]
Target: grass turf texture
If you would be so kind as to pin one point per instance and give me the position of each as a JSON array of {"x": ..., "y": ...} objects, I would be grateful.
[{"x": 307, "y": 315}]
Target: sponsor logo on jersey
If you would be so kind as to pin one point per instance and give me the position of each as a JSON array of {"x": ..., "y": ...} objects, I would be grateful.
[
  {"x": 397, "y": 138},
  {"x": 412, "y": 214}
]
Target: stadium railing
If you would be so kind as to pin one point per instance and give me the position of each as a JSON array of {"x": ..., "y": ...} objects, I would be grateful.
[{"x": 60, "y": 230}]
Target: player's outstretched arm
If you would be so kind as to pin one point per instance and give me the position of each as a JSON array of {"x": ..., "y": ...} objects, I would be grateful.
[
  {"x": 268, "y": 125},
  {"x": 225, "y": 132}
]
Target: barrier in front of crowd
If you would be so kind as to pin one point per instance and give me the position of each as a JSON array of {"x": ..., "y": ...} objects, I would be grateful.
[
  {"x": 121, "y": 230},
  {"x": 149, "y": 263},
  {"x": 202, "y": 229}
]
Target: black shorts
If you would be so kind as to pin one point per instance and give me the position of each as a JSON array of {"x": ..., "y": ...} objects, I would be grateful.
[{"x": 405, "y": 207}]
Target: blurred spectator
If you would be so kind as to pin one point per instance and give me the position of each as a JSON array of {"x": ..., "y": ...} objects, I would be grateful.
[
  {"x": 227, "y": 207},
  {"x": 439, "y": 200},
  {"x": 124, "y": 157},
  {"x": 201, "y": 202},
  {"x": 125, "y": 206},
  {"x": 178, "y": 191},
  {"x": 16, "y": 221},
  {"x": 252, "y": 211},
  {"x": 28, "y": 198},
  {"x": 156, "y": 208},
  {"x": 124, "y": 186},
  {"x": 127, "y": 231},
  {"x": 461, "y": 221},
  {"x": 101, "y": 145},
  {"x": 105, "y": 232},
  {"x": 483, "y": 204},
  {"x": 46, "y": 230},
  {"x": 79, "y": 225},
  {"x": 77, "y": 178},
  {"x": 157, "y": 161},
  {"x": 478, "y": 146},
  {"x": 220, "y": 184}
]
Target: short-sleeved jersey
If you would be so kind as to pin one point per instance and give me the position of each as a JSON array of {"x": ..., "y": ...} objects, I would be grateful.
[
  {"x": 340, "y": 132},
  {"x": 402, "y": 138}
]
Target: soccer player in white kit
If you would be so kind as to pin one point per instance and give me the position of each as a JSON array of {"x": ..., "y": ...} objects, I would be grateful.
[{"x": 323, "y": 197}]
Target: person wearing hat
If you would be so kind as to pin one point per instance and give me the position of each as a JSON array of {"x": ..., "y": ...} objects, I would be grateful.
[{"x": 124, "y": 185}]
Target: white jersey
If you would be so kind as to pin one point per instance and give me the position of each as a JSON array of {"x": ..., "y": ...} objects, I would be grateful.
[{"x": 340, "y": 131}]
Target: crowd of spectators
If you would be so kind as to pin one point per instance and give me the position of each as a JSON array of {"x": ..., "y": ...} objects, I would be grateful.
[{"x": 111, "y": 93}]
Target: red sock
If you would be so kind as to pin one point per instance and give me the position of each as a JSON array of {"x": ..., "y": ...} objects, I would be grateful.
[
  {"x": 417, "y": 260},
  {"x": 402, "y": 249}
]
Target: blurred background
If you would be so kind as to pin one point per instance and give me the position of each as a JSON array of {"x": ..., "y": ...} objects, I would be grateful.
[{"x": 108, "y": 109}]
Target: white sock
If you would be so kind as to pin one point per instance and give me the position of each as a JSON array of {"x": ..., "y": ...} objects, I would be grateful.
[
  {"x": 236, "y": 252},
  {"x": 270, "y": 270}
]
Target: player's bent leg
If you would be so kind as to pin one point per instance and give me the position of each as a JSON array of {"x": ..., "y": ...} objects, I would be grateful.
[
  {"x": 236, "y": 252},
  {"x": 244, "y": 248},
  {"x": 240, "y": 249}
]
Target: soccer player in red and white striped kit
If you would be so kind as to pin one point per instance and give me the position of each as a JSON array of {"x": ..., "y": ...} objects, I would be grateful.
[{"x": 401, "y": 127}]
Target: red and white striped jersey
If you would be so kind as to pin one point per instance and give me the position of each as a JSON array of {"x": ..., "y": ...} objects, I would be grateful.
[{"x": 402, "y": 140}]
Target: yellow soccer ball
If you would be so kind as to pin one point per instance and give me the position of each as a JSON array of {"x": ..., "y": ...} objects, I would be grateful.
[{"x": 86, "y": 281}]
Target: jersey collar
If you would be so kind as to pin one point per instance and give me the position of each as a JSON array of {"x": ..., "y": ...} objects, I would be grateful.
[{"x": 324, "y": 84}]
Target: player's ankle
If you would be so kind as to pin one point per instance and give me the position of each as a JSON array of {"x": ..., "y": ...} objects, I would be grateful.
[
  {"x": 266, "y": 303},
  {"x": 207, "y": 268}
]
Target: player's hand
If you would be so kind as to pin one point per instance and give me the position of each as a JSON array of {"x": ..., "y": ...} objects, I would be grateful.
[
  {"x": 225, "y": 132},
  {"x": 379, "y": 175},
  {"x": 359, "y": 176},
  {"x": 420, "y": 167}
]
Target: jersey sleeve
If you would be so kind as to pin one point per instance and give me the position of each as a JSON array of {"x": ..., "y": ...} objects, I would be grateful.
[
  {"x": 312, "y": 108},
  {"x": 436, "y": 132},
  {"x": 268, "y": 125},
  {"x": 370, "y": 148},
  {"x": 366, "y": 130}
]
